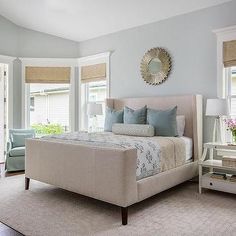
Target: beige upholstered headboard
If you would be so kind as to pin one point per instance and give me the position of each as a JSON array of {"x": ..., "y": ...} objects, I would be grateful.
[{"x": 188, "y": 105}]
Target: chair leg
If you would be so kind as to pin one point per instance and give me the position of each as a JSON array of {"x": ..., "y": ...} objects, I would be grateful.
[
  {"x": 27, "y": 182},
  {"x": 124, "y": 215}
]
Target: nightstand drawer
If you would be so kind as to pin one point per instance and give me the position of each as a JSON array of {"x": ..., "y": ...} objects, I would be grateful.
[{"x": 218, "y": 184}]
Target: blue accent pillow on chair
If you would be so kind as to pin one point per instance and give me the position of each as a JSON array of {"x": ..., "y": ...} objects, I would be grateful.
[
  {"x": 112, "y": 117},
  {"x": 164, "y": 122},
  {"x": 18, "y": 139},
  {"x": 135, "y": 116}
]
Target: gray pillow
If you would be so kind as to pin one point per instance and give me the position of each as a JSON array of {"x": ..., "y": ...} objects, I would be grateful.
[
  {"x": 164, "y": 122},
  {"x": 112, "y": 117},
  {"x": 135, "y": 116},
  {"x": 133, "y": 130}
]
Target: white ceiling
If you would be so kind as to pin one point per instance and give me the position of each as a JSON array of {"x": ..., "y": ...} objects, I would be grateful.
[{"x": 85, "y": 19}]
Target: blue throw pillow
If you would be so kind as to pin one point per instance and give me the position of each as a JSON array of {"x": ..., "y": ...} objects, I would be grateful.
[
  {"x": 135, "y": 116},
  {"x": 18, "y": 139},
  {"x": 164, "y": 122},
  {"x": 112, "y": 117}
]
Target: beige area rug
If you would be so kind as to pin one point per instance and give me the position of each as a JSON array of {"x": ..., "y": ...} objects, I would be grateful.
[{"x": 47, "y": 211}]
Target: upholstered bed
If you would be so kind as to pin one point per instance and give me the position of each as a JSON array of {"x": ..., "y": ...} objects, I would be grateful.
[{"x": 109, "y": 171}]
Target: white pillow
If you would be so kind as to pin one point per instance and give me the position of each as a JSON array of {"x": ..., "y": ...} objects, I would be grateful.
[
  {"x": 133, "y": 130},
  {"x": 180, "y": 125}
]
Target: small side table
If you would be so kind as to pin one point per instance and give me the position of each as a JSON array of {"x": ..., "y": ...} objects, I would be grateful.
[
  {"x": 2, "y": 165},
  {"x": 205, "y": 181}
]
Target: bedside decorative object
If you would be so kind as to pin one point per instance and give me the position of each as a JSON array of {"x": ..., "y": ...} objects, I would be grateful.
[
  {"x": 94, "y": 109},
  {"x": 232, "y": 178},
  {"x": 217, "y": 108},
  {"x": 215, "y": 180},
  {"x": 231, "y": 125},
  {"x": 155, "y": 66},
  {"x": 229, "y": 161}
]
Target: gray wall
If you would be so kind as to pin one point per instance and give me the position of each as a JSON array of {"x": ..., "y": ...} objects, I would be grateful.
[
  {"x": 189, "y": 40},
  {"x": 8, "y": 38},
  {"x": 36, "y": 44},
  {"x": 20, "y": 42}
]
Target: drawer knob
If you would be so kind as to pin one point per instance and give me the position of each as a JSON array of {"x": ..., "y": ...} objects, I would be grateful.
[{"x": 211, "y": 184}]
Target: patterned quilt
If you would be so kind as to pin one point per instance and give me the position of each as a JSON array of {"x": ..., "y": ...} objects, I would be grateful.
[{"x": 154, "y": 154}]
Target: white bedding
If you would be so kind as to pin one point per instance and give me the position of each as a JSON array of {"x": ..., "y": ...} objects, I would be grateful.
[
  {"x": 188, "y": 147},
  {"x": 155, "y": 154}
]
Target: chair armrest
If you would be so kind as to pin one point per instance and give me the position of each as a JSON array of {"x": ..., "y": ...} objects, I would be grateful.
[{"x": 9, "y": 146}]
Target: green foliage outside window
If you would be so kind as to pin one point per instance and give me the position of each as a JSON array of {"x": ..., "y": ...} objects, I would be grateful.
[{"x": 41, "y": 129}]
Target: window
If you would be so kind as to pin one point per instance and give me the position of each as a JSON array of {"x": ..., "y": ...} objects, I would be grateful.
[
  {"x": 32, "y": 103},
  {"x": 3, "y": 108},
  {"x": 49, "y": 108},
  {"x": 93, "y": 92},
  {"x": 229, "y": 62},
  {"x": 47, "y": 99},
  {"x": 231, "y": 74},
  {"x": 93, "y": 88}
]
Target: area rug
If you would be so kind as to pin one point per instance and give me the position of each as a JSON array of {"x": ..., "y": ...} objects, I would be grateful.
[{"x": 47, "y": 211}]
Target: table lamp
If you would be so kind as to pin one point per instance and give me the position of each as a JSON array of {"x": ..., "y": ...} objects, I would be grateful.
[
  {"x": 217, "y": 108},
  {"x": 94, "y": 109}
]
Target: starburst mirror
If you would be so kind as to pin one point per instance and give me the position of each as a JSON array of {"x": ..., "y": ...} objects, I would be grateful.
[{"x": 155, "y": 66}]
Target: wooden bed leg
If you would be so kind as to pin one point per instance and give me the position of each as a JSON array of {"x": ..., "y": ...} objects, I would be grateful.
[
  {"x": 124, "y": 215},
  {"x": 27, "y": 182}
]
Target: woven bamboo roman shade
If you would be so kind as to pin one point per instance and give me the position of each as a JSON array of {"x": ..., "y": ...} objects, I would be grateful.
[
  {"x": 49, "y": 75},
  {"x": 229, "y": 53},
  {"x": 92, "y": 73}
]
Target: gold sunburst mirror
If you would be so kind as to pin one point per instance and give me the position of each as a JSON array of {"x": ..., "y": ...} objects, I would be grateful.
[{"x": 155, "y": 66}]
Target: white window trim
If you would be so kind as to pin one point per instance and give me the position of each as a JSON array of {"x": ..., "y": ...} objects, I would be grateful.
[
  {"x": 9, "y": 61},
  {"x": 25, "y": 100},
  {"x": 91, "y": 60},
  {"x": 223, "y": 34}
]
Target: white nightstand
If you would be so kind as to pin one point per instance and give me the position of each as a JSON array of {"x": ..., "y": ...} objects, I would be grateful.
[{"x": 205, "y": 181}]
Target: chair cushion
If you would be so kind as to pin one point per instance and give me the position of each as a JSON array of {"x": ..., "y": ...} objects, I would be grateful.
[
  {"x": 164, "y": 122},
  {"x": 112, "y": 117},
  {"x": 18, "y": 140},
  {"x": 135, "y": 116},
  {"x": 17, "y": 151}
]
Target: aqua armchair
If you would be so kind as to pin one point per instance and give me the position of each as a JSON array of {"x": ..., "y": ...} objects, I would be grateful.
[{"x": 15, "y": 158}]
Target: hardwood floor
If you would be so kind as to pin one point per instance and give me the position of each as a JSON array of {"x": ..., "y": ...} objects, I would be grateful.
[
  {"x": 8, "y": 174},
  {"x": 7, "y": 231},
  {"x": 4, "y": 229}
]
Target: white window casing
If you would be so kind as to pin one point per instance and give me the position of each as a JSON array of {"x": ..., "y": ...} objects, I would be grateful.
[
  {"x": 9, "y": 61},
  {"x": 98, "y": 59},
  {"x": 223, "y": 35},
  {"x": 48, "y": 62}
]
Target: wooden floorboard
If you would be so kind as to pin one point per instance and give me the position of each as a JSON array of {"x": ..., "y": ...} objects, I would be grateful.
[
  {"x": 8, "y": 231},
  {"x": 8, "y": 174}
]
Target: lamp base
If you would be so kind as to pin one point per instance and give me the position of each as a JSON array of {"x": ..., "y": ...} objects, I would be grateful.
[
  {"x": 93, "y": 126},
  {"x": 217, "y": 135}
]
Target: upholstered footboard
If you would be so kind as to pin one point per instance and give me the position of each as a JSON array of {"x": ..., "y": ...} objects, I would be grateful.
[{"x": 106, "y": 174}]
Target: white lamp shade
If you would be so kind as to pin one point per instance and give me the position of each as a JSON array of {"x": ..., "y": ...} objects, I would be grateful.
[
  {"x": 216, "y": 107},
  {"x": 94, "y": 109}
]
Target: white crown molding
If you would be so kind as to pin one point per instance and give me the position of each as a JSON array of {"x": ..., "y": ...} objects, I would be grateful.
[
  {"x": 48, "y": 61},
  {"x": 6, "y": 59},
  {"x": 94, "y": 57},
  {"x": 226, "y": 30}
]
